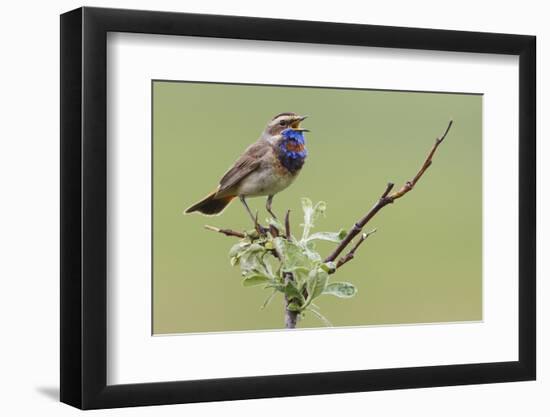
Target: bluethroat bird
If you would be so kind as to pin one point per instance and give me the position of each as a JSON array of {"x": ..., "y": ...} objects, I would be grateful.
[{"x": 266, "y": 167}]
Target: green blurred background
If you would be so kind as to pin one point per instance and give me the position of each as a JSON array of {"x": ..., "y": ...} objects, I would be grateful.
[{"x": 423, "y": 265}]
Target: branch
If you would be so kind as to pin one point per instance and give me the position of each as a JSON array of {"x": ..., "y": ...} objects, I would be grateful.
[
  {"x": 287, "y": 225},
  {"x": 350, "y": 255},
  {"x": 227, "y": 232},
  {"x": 409, "y": 185},
  {"x": 387, "y": 198}
]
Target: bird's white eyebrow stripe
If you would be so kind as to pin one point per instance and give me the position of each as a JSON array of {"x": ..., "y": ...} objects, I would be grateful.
[{"x": 284, "y": 114}]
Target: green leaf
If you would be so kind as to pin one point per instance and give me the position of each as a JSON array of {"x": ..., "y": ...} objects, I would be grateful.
[
  {"x": 266, "y": 261},
  {"x": 293, "y": 254},
  {"x": 325, "y": 321},
  {"x": 340, "y": 289},
  {"x": 311, "y": 213},
  {"x": 294, "y": 307},
  {"x": 276, "y": 286},
  {"x": 238, "y": 248},
  {"x": 311, "y": 254},
  {"x": 307, "y": 206},
  {"x": 252, "y": 234},
  {"x": 329, "y": 267},
  {"x": 313, "y": 306},
  {"x": 297, "y": 270},
  {"x": 328, "y": 236},
  {"x": 300, "y": 274},
  {"x": 251, "y": 260},
  {"x": 293, "y": 293},
  {"x": 255, "y": 247},
  {"x": 253, "y": 280},
  {"x": 317, "y": 281},
  {"x": 319, "y": 209},
  {"x": 269, "y": 299}
]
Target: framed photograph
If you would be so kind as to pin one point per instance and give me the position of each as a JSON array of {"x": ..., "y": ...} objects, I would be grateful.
[{"x": 255, "y": 208}]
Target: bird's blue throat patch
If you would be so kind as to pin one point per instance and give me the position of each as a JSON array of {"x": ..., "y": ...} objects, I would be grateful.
[{"x": 292, "y": 150}]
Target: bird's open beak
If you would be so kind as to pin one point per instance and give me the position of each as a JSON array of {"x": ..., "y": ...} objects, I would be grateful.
[{"x": 296, "y": 124}]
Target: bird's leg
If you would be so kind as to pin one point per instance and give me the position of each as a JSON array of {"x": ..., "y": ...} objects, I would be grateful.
[
  {"x": 268, "y": 206},
  {"x": 243, "y": 200},
  {"x": 257, "y": 226}
]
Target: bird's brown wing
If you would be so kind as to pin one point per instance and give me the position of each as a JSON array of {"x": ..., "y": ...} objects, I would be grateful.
[{"x": 248, "y": 162}]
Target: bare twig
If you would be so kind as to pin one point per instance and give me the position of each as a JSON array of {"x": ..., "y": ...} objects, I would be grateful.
[
  {"x": 387, "y": 198},
  {"x": 409, "y": 185},
  {"x": 350, "y": 255},
  {"x": 389, "y": 187},
  {"x": 287, "y": 225},
  {"x": 227, "y": 232}
]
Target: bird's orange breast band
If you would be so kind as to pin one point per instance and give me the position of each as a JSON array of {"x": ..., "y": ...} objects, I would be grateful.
[{"x": 294, "y": 146}]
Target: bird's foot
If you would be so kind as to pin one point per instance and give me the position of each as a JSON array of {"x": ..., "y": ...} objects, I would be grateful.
[{"x": 268, "y": 207}]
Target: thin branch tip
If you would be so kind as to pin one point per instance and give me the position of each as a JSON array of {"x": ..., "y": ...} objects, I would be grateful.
[
  {"x": 351, "y": 254},
  {"x": 227, "y": 232},
  {"x": 389, "y": 187},
  {"x": 383, "y": 201},
  {"x": 287, "y": 225},
  {"x": 446, "y": 131}
]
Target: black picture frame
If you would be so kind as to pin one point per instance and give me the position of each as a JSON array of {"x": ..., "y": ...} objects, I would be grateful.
[{"x": 84, "y": 207}]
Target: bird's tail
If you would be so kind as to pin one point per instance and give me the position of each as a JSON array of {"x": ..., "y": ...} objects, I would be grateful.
[{"x": 210, "y": 205}]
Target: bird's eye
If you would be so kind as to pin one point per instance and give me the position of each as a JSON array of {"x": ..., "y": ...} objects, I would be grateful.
[{"x": 282, "y": 123}]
